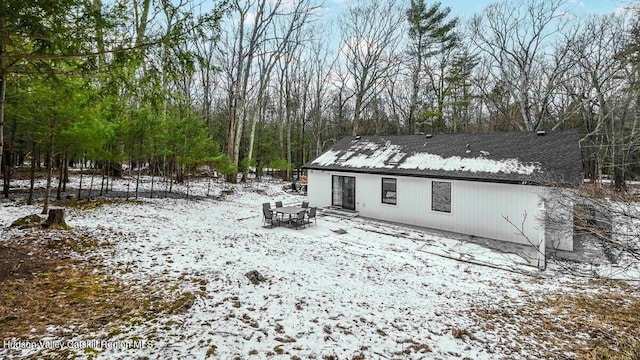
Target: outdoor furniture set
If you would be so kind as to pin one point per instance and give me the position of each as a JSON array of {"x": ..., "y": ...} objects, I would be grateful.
[{"x": 292, "y": 216}]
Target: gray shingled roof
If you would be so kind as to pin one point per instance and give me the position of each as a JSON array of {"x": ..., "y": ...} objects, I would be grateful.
[{"x": 514, "y": 157}]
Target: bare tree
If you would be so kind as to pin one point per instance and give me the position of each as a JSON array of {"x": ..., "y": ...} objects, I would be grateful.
[
  {"x": 243, "y": 54},
  {"x": 596, "y": 86},
  {"x": 321, "y": 66},
  {"x": 264, "y": 30},
  {"x": 204, "y": 52},
  {"x": 399, "y": 91},
  {"x": 521, "y": 40},
  {"x": 286, "y": 36},
  {"x": 371, "y": 36},
  {"x": 607, "y": 218}
]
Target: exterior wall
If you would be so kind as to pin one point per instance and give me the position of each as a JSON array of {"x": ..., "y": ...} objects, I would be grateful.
[
  {"x": 559, "y": 207},
  {"x": 319, "y": 188},
  {"x": 477, "y": 208}
]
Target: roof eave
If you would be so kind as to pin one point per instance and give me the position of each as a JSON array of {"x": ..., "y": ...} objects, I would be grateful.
[{"x": 429, "y": 176}]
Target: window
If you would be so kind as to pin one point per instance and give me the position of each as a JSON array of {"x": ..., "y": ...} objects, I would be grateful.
[
  {"x": 441, "y": 196},
  {"x": 389, "y": 191}
]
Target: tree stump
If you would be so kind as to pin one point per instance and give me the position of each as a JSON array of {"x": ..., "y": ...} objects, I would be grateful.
[{"x": 56, "y": 220}]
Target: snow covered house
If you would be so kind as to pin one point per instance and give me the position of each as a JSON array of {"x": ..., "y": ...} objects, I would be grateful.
[{"x": 492, "y": 185}]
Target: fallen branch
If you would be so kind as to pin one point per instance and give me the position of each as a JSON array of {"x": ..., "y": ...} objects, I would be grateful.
[
  {"x": 479, "y": 263},
  {"x": 388, "y": 234},
  {"x": 247, "y": 218},
  {"x": 451, "y": 257}
]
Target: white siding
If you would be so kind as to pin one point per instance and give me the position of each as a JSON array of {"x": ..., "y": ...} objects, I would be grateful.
[
  {"x": 559, "y": 220},
  {"x": 477, "y": 208},
  {"x": 319, "y": 188}
]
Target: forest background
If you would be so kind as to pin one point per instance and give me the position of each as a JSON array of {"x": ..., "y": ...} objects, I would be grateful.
[{"x": 167, "y": 87}]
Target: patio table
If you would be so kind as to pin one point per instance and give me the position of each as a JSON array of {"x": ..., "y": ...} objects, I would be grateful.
[{"x": 289, "y": 210}]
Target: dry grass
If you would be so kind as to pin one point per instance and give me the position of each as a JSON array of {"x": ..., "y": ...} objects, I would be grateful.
[
  {"x": 461, "y": 333},
  {"x": 285, "y": 339},
  {"x": 412, "y": 346},
  {"x": 68, "y": 296},
  {"x": 92, "y": 203},
  {"x": 78, "y": 243},
  {"x": 27, "y": 221},
  {"x": 600, "y": 321},
  {"x": 43, "y": 288},
  {"x": 601, "y": 192},
  {"x": 76, "y": 297},
  {"x": 611, "y": 319}
]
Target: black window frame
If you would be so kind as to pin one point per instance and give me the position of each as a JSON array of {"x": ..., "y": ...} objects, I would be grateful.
[
  {"x": 387, "y": 200},
  {"x": 436, "y": 205}
]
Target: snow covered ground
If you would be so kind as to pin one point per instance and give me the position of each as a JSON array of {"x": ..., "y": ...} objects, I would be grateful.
[{"x": 377, "y": 291}]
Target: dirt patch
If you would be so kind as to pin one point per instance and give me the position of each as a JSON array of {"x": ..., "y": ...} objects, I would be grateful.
[
  {"x": 45, "y": 287},
  {"x": 67, "y": 296},
  {"x": 22, "y": 262},
  {"x": 599, "y": 320},
  {"x": 78, "y": 243},
  {"x": 93, "y": 203}
]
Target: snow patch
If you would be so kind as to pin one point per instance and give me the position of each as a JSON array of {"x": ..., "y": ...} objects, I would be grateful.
[
  {"x": 370, "y": 155},
  {"x": 456, "y": 163},
  {"x": 366, "y": 155},
  {"x": 367, "y": 291}
]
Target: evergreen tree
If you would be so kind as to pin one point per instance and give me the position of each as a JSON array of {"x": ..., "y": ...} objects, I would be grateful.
[{"x": 431, "y": 33}]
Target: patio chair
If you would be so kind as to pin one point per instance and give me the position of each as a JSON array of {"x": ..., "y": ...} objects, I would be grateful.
[
  {"x": 269, "y": 217},
  {"x": 305, "y": 204},
  {"x": 279, "y": 205},
  {"x": 299, "y": 219},
  {"x": 265, "y": 206},
  {"x": 312, "y": 215}
]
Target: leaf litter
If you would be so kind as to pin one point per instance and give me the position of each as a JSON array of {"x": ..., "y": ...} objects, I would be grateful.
[{"x": 172, "y": 271}]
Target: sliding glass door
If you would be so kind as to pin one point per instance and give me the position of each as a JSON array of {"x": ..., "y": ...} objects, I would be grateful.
[{"x": 343, "y": 192}]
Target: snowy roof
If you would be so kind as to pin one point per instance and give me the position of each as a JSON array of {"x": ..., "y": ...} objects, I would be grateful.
[{"x": 514, "y": 157}]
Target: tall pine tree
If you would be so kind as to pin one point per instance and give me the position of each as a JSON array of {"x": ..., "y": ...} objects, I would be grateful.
[{"x": 430, "y": 33}]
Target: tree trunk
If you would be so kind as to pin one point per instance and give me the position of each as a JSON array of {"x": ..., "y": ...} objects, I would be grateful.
[
  {"x": 238, "y": 138},
  {"x": 104, "y": 169},
  {"x": 80, "y": 186},
  {"x": 289, "y": 125},
  {"x": 138, "y": 178},
  {"x": 5, "y": 164},
  {"x": 252, "y": 137},
  {"x": 65, "y": 178},
  {"x": 3, "y": 91},
  {"x": 281, "y": 126},
  {"x": 47, "y": 194},
  {"x": 172, "y": 168},
  {"x": 356, "y": 115},
  {"x": 56, "y": 220},
  {"x": 152, "y": 165},
  {"x": 108, "y": 173},
  {"x": 415, "y": 89},
  {"x": 60, "y": 178},
  {"x": 91, "y": 182},
  {"x": 32, "y": 178}
]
